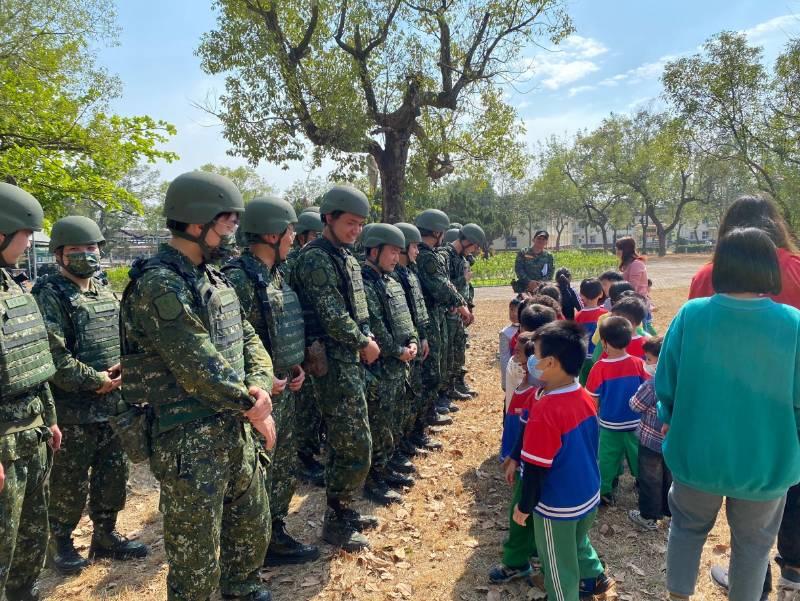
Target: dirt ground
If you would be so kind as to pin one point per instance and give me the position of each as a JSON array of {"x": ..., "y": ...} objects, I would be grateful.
[{"x": 440, "y": 543}]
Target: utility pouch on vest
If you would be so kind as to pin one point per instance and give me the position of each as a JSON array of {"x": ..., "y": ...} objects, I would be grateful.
[
  {"x": 134, "y": 428},
  {"x": 316, "y": 359}
]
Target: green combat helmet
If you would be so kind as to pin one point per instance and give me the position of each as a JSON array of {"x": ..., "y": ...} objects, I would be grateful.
[
  {"x": 267, "y": 215},
  {"x": 475, "y": 234},
  {"x": 75, "y": 231},
  {"x": 451, "y": 235},
  {"x": 198, "y": 197},
  {"x": 308, "y": 221},
  {"x": 19, "y": 210},
  {"x": 311, "y": 209},
  {"x": 347, "y": 199},
  {"x": 364, "y": 231},
  {"x": 433, "y": 220},
  {"x": 384, "y": 233},
  {"x": 456, "y": 226},
  {"x": 410, "y": 232}
]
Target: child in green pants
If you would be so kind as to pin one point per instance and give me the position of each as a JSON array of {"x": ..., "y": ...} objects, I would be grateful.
[{"x": 560, "y": 487}]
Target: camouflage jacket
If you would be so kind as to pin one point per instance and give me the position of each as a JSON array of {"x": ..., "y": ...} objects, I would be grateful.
[
  {"x": 418, "y": 309},
  {"x": 72, "y": 375},
  {"x": 24, "y": 444},
  {"x": 436, "y": 285},
  {"x": 285, "y": 268},
  {"x": 379, "y": 320},
  {"x": 162, "y": 315},
  {"x": 325, "y": 295},
  {"x": 456, "y": 265},
  {"x": 530, "y": 267}
]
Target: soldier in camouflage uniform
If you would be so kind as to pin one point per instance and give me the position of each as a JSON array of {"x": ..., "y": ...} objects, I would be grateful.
[
  {"x": 533, "y": 264},
  {"x": 413, "y": 424},
  {"x": 82, "y": 319},
  {"x": 391, "y": 323},
  {"x": 274, "y": 311},
  {"x": 189, "y": 351},
  {"x": 440, "y": 296},
  {"x": 307, "y": 417},
  {"x": 470, "y": 239},
  {"x": 28, "y": 430},
  {"x": 328, "y": 281}
]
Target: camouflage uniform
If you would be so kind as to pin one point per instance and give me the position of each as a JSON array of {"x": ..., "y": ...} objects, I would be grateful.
[
  {"x": 328, "y": 281},
  {"x": 281, "y": 482},
  {"x": 390, "y": 321},
  {"x": 457, "y": 267},
  {"x": 414, "y": 399},
  {"x": 27, "y": 411},
  {"x": 189, "y": 350},
  {"x": 308, "y": 421},
  {"x": 81, "y": 356},
  {"x": 530, "y": 267},
  {"x": 440, "y": 296}
]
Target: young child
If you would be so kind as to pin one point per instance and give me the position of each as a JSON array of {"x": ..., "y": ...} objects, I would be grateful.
[
  {"x": 607, "y": 279},
  {"x": 507, "y": 336},
  {"x": 728, "y": 385},
  {"x": 570, "y": 303},
  {"x": 591, "y": 292},
  {"x": 633, "y": 307},
  {"x": 560, "y": 481},
  {"x": 519, "y": 548},
  {"x": 615, "y": 291},
  {"x": 654, "y": 476},
  {"x": 614, "y": 380}
]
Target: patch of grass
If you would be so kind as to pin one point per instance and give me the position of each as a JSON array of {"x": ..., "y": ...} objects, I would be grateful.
[
  {"x": 118, "y": 277},
  {"x": 499, "y": 269}
]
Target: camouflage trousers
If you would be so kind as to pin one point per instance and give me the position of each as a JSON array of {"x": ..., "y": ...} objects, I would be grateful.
[
  {"x": 308, "y": 420},
  {"x": 23, "y": 515},
  {"x": 280, "y": 482},
  {"x": 456, "y": 348},
  {"x": 415, "y": 398},
  {"x": 215, "y": 507},
  {"x": 385, "y": 394},
  {"x": 343, "y": 406},
  {"x": 91, "y": 463},
  {"x": 434, "y": 368}
]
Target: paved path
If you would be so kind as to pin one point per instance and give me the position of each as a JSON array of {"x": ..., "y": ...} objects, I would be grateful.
[{"x": 666, "y": 272}]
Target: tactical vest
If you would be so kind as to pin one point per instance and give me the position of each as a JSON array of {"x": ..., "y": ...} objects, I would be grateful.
[
  {"x": 456, "y": 269},
  {"x": 393, "y": 301},
  {"x": 147, "y": 378},
  {"x": 282, "y": 314},
  {"x": 25, "y": 361},
  {"x": 414, "y": 298},
  {"x": 350, "y": 273}
]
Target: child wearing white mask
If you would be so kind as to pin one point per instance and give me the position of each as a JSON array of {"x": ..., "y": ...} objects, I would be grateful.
[{"x": 654, "y": 475}]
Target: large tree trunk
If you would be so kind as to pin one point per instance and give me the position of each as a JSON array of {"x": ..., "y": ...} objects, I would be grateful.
[
  {"x": 604, "y": 233},
  {"x": 392, "y": 165}
]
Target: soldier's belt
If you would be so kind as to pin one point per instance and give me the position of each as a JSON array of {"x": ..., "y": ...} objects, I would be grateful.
[{"x": 30, "y": 423}]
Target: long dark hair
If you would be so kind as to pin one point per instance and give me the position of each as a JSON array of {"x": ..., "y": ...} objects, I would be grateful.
[
  {"x": 745, "y": 261},
  {"x": 628, "y": 247},
  {"x": 760, "y": 212}
]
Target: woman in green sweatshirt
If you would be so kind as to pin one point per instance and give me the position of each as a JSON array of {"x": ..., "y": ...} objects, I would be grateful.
[{"x": 728, "y": 384}]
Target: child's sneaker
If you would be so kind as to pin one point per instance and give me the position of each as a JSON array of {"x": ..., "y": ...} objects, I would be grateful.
[
  {"x": 597, "y": 588},
  {"x": 643, "y": 523},
  {"x": 501, "y": 574}
]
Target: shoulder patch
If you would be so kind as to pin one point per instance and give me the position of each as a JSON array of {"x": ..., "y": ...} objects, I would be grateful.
[
  {"x": 319, "y": 277},
  {"x": 168, "y": 306}
]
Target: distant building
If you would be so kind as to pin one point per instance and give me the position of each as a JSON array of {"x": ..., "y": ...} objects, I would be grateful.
[{"x": 127, "y": 244}]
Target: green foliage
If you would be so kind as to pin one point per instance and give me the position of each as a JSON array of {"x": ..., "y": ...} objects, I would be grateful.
[
  {"x": 498, "y": 270},
  {"x": 414, "y": 85},
  {"x": 118, "y": 278},
  {"x": 57, "y": 137}
]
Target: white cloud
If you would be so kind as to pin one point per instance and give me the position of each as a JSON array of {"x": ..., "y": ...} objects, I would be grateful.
[
  {"x": 580, "y": 90},
  {"x": 784, "y": 25},
  {"x": 566, "y": 64},
  {"x": 539, "y": 128}
]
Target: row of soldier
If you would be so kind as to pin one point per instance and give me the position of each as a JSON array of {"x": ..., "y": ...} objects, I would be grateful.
[{"x": 216, "y": 389}]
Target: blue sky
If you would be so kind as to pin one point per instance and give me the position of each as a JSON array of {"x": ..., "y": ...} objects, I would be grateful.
[{"x": 612, "y": 63}]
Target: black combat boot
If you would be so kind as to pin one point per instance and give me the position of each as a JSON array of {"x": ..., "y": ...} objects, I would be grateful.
[
  {"x": 377, "y": 491},
  {"x": 110, "y": 544},
  {"x": 28, "y": 593},
  {"x": 359, "y": 521},
  {"x": 62, "y": 556},
  {"x": 310, "y": 470},
  {"x": 396, "y": 480},
  {"x": 455, "y": 393},
  {"x": 284, "y": 549},
  {"x": 434, "y": 419},
  {"x": 400, "y": 463},
  {"x": 261, "y": 594},
  {"x": 462, "y": 386},
  {"x": 424, "y": 441},
  {"x": 339, "y": 531}
]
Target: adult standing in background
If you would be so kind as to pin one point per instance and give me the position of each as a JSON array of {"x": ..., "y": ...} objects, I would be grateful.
[
  {"x": 632, "y": 265},
  {"x": 533, "y": 264},
  {"x": 761, "y": 212}
]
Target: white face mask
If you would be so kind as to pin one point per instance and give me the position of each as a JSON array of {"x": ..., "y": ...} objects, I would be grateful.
[{"x": 650, "y": 368}]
